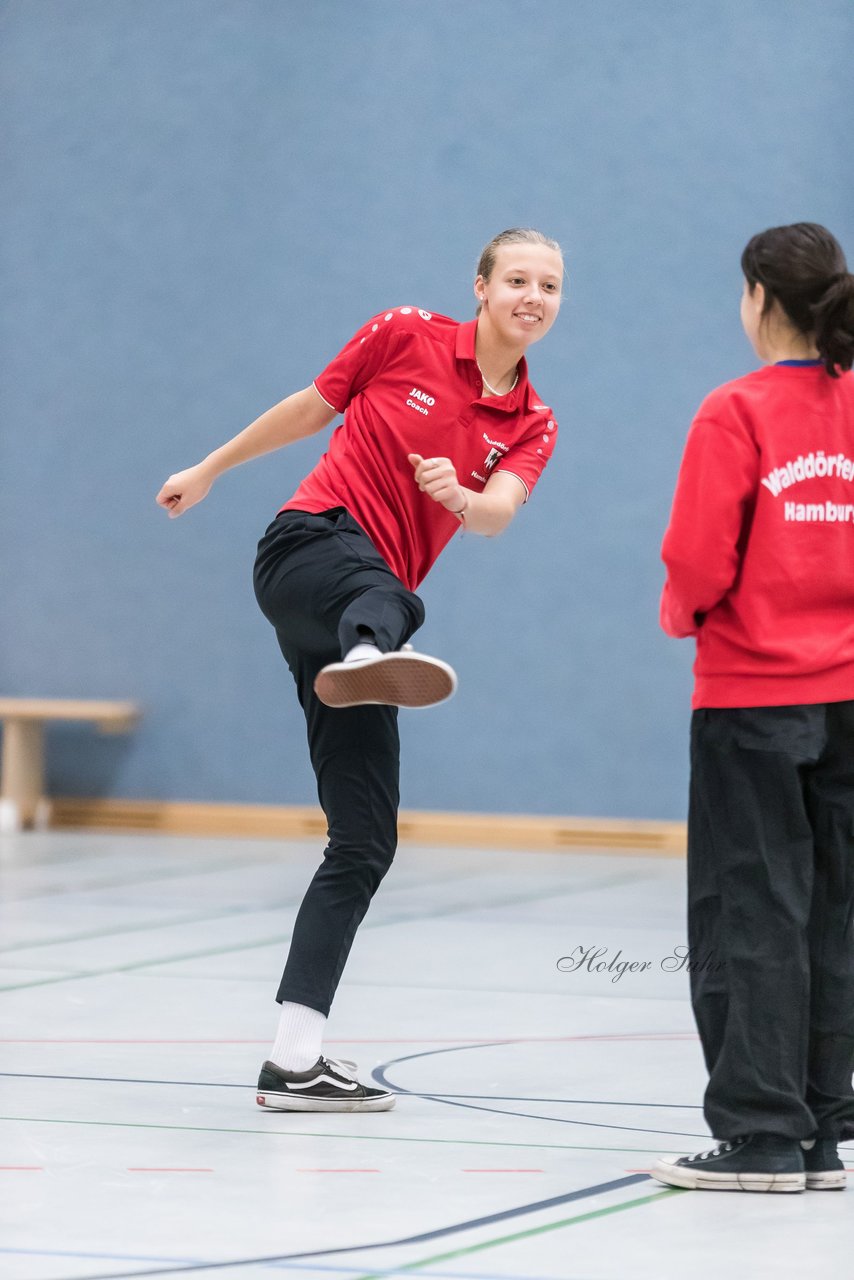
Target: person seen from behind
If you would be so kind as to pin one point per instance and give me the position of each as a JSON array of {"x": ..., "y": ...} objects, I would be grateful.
[{"x": 759, "y": 554}]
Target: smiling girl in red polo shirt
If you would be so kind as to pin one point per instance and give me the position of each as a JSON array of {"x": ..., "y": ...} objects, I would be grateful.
[
  {"x": 441, "y": 429},
  {"x": 760, "y": 568}
]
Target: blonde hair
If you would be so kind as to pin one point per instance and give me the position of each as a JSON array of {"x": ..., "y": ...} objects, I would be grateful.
[{"x": 513, "y": 235}]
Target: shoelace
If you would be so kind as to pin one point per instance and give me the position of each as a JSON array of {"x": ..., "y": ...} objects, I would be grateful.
[
  {"x": 344, "y": 1065},
  {"x": 723, "y": 1148}
]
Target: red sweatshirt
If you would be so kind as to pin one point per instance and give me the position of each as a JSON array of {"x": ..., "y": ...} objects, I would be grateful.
[{"x": 760, "y": 546}]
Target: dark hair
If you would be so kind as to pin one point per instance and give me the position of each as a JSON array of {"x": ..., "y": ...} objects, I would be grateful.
[
  {"x": 513, "y": 235},
  {"x": 802, "y": 267}
]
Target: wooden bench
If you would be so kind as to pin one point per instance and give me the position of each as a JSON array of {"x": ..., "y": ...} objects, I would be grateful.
[{"x": 23, "y": 801}]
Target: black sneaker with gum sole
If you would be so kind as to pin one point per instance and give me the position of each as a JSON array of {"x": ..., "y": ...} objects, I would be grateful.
[{"x": 327, "y": 1086}]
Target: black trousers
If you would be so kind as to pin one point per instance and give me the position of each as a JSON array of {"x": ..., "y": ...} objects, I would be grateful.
[
  {"x": 770, "y": 904},
  {"x": 323, "y": 585}
]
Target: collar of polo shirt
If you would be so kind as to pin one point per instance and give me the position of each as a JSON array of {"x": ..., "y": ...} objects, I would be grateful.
[{"x": 465, "y": 350}]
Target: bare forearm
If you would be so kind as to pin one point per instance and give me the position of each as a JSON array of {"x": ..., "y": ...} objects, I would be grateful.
[
  {"x": 487, "y": 513},
  {"x": 294, "y": 418},
  {"x": 300, "y": 415}
]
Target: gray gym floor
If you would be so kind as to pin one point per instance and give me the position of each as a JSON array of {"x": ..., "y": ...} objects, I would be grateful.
[{"x": 136, "y": 1005}]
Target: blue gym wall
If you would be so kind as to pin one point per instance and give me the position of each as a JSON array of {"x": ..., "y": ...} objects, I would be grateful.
[{"x": 204, "y": 198}]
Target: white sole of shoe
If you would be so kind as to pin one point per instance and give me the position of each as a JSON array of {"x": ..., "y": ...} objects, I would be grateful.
[
  {"x": 289, "y": 1102},
  {"x": 399, "y": 679},
  {"x": 828, "y": 1180},
  {"x": 674, "y": 1175}
]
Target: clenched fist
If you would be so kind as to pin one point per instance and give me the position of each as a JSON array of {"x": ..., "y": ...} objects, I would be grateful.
[
  {"x": 437, "y": 477},
  {"x": 184, "y": 490}
]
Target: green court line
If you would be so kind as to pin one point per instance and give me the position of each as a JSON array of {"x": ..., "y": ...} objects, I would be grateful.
[
  {"x": 148, "y": 964},
  {"x": 401, "y": 918},
  {"x": 235, "y": 913},
  {"x": 231, "y": 914},
  {"x": 306, "y": 1133},
  {"x": 277, "y": 940},
  {"x": 375, "y": 922},
  {"x": 518, "y": 1235},
  {"x": 95, "y": 886},
  {"x": 458, "y": 908}
]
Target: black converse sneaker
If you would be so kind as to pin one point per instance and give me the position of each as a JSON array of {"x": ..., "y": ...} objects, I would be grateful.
[
  {"x": 824, "y": 1170},
  {"x": 760, "y": 1162},
  {"x": 327, "y": 1086},
  {"x": 399, "y": 679}
]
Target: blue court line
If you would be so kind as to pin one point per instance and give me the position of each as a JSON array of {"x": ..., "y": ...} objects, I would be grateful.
[
  {"x": 230, "y": 913},
  {"x": 74, "y": 1253},
  {"x": 263, "y": 1131},
  {"x": 184, "y": 872},
  {"x": 324, "y": 1269},
  {"x": 446, "y": 1099},
  {"x": 434, "y": 1275},
  {"x": 549, "y": 894},
  {"x": 504, "y": 1215},
  {"x": 530, "y": 1115},
  {"x": 410, "y": 1093},
  {"x": 78, "y": 975},
  {"x": 381, "y": 1077}
]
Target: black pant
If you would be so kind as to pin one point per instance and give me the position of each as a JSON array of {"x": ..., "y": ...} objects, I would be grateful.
[
  {"x": 323, "y": 585},
  {"x": 770, "y": 903}
]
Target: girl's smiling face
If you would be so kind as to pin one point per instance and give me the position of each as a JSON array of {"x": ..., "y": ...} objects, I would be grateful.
[{"x": 521, "y": 298}]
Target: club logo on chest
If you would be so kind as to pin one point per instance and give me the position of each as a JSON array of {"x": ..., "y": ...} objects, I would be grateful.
[{"x": 420, "y": 400}]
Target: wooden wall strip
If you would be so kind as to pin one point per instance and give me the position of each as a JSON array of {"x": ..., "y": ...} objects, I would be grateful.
[{"x": 492, "y": 831}]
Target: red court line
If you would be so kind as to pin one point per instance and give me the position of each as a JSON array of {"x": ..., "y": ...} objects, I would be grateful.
[{"x": 635, "y": 1035}]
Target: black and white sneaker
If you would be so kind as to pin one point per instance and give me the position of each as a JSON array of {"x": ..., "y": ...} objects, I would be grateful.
[
  {"x": 399, "y": 679},
  {"x": 327, "y": 1086},
  {"x": 760, "y": 1162},
  {"x": 824, "y": 1170}
]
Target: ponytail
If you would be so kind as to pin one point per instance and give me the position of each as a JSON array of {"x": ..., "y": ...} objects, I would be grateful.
[
  {"x": 833, "y": 317},
  {"x": 802, "y": 267}
]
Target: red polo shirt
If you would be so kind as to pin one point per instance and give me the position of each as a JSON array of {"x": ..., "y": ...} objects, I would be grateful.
[
  {"x": 760, "y": 546},
  {"x": 408, "y": 382}
]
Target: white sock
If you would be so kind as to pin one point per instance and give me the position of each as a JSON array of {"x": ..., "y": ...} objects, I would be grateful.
[
  {"x": 299, "y": 1039},
  {"x": 363, "y": 650}
]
